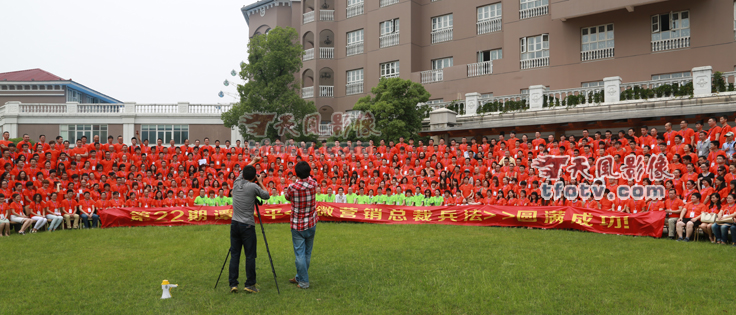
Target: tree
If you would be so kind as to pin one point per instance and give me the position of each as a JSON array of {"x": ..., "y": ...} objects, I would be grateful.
[
  {"x": 395, "y": 108},
  {"x": 271, "y": 86}
]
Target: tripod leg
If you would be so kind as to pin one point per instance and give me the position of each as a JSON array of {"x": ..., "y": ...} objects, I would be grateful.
[
  {"x": 223, "y": 267},
  {"x": 267, "y": 250}
]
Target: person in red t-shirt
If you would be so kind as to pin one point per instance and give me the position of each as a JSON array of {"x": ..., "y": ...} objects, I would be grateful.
[
  {"x": 69, "y": 210},
  {"x": 690, "y": 217},
  {"x": 87, "y": 208}
]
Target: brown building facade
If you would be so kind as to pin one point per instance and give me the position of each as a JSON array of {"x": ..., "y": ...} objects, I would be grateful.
[{"x": 495, "y": 47}]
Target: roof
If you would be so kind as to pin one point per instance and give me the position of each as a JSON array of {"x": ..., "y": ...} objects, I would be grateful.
[
  {"x": 29, "y": 75},
  {"x": 247, "y": 10}
]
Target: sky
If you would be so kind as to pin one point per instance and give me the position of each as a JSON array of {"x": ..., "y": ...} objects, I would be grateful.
[{"x": 155, "y": 51}]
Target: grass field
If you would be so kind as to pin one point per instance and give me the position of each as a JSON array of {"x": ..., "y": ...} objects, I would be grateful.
[{"x": 363, "y": 268}]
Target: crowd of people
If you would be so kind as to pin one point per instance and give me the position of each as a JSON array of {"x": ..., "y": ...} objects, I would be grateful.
[{"x": 54, "y": 184}]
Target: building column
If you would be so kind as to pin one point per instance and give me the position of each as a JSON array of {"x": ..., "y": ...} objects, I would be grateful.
[
  {"x": 235, "y": 135},
  {"x": 471, "y": 103},
  {"x": 612, "y": 89},
  {"x": 183, "y": 107},
  {"x": 702, "y": 80},
  {"x": 128, "y": 128},
  {"x": 10, "y": 118},
  {"x": 536, "y": 97}
]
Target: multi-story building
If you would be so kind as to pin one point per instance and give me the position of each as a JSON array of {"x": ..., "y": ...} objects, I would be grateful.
[{"x": 496, "y": 47}]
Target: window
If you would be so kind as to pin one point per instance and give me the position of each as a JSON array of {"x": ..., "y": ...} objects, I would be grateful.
[
  {"x": 593, "y": 84},
  {"x": 74, "y": 132},
  {"x": 597, "y": 37},
  {"x": 530, "y": 4},
  {"x": 671, "y": 26},
  {"x": 671, "y": 76},
  {"x": 489, "y": 18},
  {"x": 535, "y": 47},
  {"x": 437, "y": 101},
  {"x": 165, "y": 132},
  {"x": 355, "y": 43},
  {"x": 488, "y": 55},
  {"x": 442, "y": 22},
  {"x": 441, "y": 63},
  {"x": 486, "y": 95},
  {"x": 355, "y": 76},
  {"x": 390, "y": 69},
  {"x": 73, "y": 96},
  {"x": 355, "y": 7},
  {"x": 532, "y": 8},
  {"x": 389, "y": 27}
]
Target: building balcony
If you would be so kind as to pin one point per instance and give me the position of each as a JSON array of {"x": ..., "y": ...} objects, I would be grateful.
[
  {"x": 604, "y": 53},
  {"x": 308, "y": 17},
  {"x": 533, "y": 12},
  {"x": 326, "y": 91},
  {"x": 326, "y": 15},
  {"x": 355, "y": 10},
  {"x": 354, "y": 88},
  {"x": 308, "y": 54},
  {"x": 488, "y": 26},
  {"x": 385, "y": 3},
  {"x": 391, "y": 75},
  {"x": 325, "y": 130},
  {"x": 354, "y": 49},
  {"x": 327, "y": 53},
  {"x": 431, "y": 76},
  {"x": 563, "y": 10},
  {"x": 443, "y": 35},
  {"x": 535, "y": 63},
  {"x": 308, "y": 92},
  {"x": 388, "y": 40},
  {"x": 671, "y": 43},
  {"x": 53, "y": 111},
  {"x": 480, "y": 68}
]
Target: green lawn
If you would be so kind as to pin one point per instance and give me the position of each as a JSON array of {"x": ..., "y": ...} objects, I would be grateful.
[{"x": 364, "y": 268}]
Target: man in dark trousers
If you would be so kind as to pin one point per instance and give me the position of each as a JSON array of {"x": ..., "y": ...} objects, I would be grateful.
[
  {"x": 302, "y": 194},
  {"x": 243, "y": 226}
]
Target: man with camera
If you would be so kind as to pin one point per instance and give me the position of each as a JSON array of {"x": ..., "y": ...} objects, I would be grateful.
[
  {"x": 302, "y": 195},
  {"x": 242, "y": 229}
]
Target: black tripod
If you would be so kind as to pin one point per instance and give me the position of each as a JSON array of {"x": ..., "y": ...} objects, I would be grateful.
[{"x": 257, "y": 203}]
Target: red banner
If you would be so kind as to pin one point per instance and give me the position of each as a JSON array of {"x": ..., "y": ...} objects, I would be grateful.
[{"x": 644, "y": 224}]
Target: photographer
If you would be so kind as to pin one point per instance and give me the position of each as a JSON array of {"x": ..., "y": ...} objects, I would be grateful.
[
  {"x": 242, "y": 229},
  {"x": 301, "y": 195}
]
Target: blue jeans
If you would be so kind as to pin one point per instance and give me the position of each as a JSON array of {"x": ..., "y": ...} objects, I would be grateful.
[
  {"x": 303, "y": 241},
  {"x": 721, "y": 232},
  {"x": 95, "y": 220}
]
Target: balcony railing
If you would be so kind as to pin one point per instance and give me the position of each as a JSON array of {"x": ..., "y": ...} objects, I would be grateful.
[
  {"x": 326, "y": 15},
  {"x": 355, "y": 49},
  {"x": 325, "y": 130},
  {"x": 535, "y": 63},
  {"x": 596, "y": 54},
  {"x": 489, "y": 26},
  {"x": 157, "y": 109},
  {"x": 532, "y": 12},
  {"x": 480, "y": 68},
  {"x": 672, "y": 43},
  {"x": 100, "y": 108},
  {"x": 354, "y": 88},
  {"x": 110, "y": 109},
  {"x": 431, "y": 76},
  {"x": 208, "y": 109},
  {"x": 391, "y": 75},
  {"x": 388, "y": 40},
  {"x": 384, "y": 3},
  {"x": 308, "y": 92},
  {"x": 326, "y": 91},
  {"x": 309, "y": 17},
  {"x": 443, "y": 35},
  {"x": 354, "y": 10},
  {"x": 42, "y": 108},
  {"x": 308, "y": 54},
  {"x": 327, "y": 53}
]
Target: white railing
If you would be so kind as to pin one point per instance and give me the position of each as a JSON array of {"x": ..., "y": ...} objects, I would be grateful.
[
  {"x": 730, "y": 77},
  {"x": 308, "y": 17},
  {"x": 208, "y": 108},
  {"x": 384, "y": 3},
  {"x": 326, "y": 91},
  {"x": 325, "y": 130},
  {"x": 502, "y": 100},
  {"x": 326, "y": 15},
  {"x": 308, "y": 92},
  {"x": 388, "y": 40},
  {"x": 100, "y": 108},
  {"x": 588, "y": 93},
  {"x": 354, "y": 88},
  {"x": 355, "y": 49},
  {"x": 327, "y": 53},
  {"x": 672, "y": 43},
  {"x": 156, "y": 108},
  {"x": 391, "y": 75},
  {"x": 480, "y": 68},
  {"x": 653, "y": 84},
  {"x": 443, "y": 35},
  {"x": 354, "y": 10},
  {"x": 42, "y": 108},
  {"x": 489, "y": 26},
  {"x": 430, "y": 76},
  {"x": 532, "y": 12},
  {"x": 596, "y": 54},
  {"x": 308, "y": 54},
  {"x": 535, "y": 63}
]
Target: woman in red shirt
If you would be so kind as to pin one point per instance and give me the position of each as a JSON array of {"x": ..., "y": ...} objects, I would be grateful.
[
  {"x": 17, "y": 214},
  {"x": 38, "y": 211},
  {"x": 690, "y": 217},
  {"x": 4, "y": 218},
  {"x": 713, "y": 206},
  {"x": 728, "y": 211}
]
